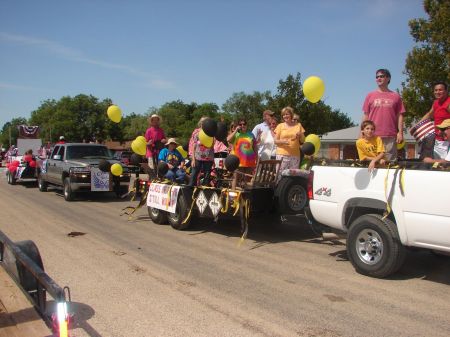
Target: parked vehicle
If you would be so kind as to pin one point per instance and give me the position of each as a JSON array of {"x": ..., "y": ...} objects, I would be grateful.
[
  {"x": 123, "y": 156},
  {"x": 74, "y": 167},
  {"x": 383, "y": 211}
]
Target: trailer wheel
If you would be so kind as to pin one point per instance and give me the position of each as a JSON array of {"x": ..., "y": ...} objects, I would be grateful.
[
  {"x": 292, "y": 196},
  {"x": 158, "y": 216},
  {"x": 374, "y": 247},
  {"x": 68, "y": 193},
  {"x": 27, "y": 280},
  {"x": 181, "y": 211},
  {"x": 11, "y": 178},
  {"x": 42, "y": 184}
]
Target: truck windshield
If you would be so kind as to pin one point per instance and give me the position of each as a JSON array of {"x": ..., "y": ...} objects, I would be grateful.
[{"x": 88, "y": 152}]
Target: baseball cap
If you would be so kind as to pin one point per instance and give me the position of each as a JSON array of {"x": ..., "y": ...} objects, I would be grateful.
[{"x": 444, "y": 125}]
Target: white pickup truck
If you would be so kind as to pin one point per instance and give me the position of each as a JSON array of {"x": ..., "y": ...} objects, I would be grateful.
[{"x": 382, "y": 211}]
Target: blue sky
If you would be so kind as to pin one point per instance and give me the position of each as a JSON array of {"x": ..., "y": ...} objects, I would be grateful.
[{"x": 146, "y": 53}]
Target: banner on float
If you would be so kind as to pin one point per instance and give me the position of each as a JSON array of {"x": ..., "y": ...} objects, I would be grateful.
[{"x": 163, "y": 196}]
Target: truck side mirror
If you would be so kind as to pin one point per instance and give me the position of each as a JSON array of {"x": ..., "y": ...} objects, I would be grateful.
[{"x": 57, "y": 157}]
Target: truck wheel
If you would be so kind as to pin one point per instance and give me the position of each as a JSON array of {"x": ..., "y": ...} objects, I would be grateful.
[
  {"x": 292, "y": 197},
  {"x": 42, "y": 184},
  {"x": 158, "y": 216},
  {"x": 374, "y": 247},
  {"x": 181, "y": 211},
  {"x": 68, "y": 193}
]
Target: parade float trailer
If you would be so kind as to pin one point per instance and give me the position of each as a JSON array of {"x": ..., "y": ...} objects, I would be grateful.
[
  {"x": 21, "y": 167},
  {"x": 232, "y": 195}
]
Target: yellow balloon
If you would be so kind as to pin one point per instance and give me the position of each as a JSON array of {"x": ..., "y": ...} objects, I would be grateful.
[
  {"x": 116, "y": 169},
  {"x": 401, "y": 145},
  {"x": 205, "y": 140},
  {"x": 315, "y": 140},
  {"x": 141, "y": 139},
  {"x": 313, "y": 89},
  {"x": 139, "y": 147},
  {"x": 182, "y": 151},
  {"x": 114, "y": 113}
]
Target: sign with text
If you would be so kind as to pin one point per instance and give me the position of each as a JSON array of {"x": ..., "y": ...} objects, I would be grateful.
[
  {"x": 163, "y": 196},
  {"x": 99, "y": 180}
]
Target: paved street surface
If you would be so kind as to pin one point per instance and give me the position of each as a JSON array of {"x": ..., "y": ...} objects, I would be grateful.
[{"x": 136, "y": 278}]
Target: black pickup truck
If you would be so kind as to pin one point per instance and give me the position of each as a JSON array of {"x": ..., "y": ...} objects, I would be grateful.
[{"x": 74, "y": 167}]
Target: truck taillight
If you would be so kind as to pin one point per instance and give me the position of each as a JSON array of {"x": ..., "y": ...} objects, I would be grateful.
[{"x": 310, "y": 185}]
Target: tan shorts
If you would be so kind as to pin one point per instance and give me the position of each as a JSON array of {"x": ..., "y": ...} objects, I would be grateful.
[{"x": 390, "y": 146}]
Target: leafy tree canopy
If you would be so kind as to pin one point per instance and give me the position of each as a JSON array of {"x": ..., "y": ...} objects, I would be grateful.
[{"x": 429, "y": 60}]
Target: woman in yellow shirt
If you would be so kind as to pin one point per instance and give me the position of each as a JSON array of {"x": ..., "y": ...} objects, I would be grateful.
[
  {"x": 370, "y": 147},
  {"x": 289, "y": 135}
]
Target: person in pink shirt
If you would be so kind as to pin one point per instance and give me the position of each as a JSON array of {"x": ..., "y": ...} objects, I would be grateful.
[
  {"x": 385, "y": 108},
  {"x": 439, "y": 112},
  {"x": 155, "y": 138}
]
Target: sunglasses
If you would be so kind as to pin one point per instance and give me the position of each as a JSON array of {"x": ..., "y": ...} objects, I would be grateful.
[{"x": 380, "y": 76}]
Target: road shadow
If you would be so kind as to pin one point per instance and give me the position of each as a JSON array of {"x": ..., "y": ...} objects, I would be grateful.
[
  {"x": 425, "y": 265},
  {"x": 264, "y": 229},
  {"x": 79, "y": 315}
]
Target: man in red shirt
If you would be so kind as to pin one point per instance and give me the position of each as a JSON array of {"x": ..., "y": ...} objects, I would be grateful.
[{"x": 439, "y": 112}]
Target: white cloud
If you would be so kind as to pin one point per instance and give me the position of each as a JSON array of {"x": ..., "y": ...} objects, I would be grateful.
[{"x": 78, "y": 56}]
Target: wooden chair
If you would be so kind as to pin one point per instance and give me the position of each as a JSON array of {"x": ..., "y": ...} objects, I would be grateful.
[{"x": 265, "y": 175}]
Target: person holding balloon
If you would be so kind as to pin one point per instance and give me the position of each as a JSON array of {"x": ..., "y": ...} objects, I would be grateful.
[
  {"x": 201, "y": 149},
  {"x": 289, "y": 135},
  {"x": 174, "y": 160},
  {"x": 369, "y": 146},
  {"x": 155, "y": 138}
]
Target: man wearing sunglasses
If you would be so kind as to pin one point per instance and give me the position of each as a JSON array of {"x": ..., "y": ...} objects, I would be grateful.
[{"x": 385, "y": 108}]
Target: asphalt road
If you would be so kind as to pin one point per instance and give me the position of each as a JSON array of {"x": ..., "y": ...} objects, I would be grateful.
[{"x": 136, "y": 278}]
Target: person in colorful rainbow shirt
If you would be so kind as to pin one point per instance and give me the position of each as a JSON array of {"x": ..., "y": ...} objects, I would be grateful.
[{"x": 244, "y": 147}]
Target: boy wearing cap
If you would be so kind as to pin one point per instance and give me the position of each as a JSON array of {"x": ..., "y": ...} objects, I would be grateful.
[
  {"x": 385, "y": 108},
  {"x": 174, "y": 160},
  {"x": 444, "y": 129}
]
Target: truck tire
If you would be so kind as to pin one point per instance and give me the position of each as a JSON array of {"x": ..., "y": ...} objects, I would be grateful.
[
  {"x": 42, "y": 184},
  {"x": 181, "y": 211},
  {"x": 291, "y": 195},
  {"x": 67, "y": 190},
  {"x": 156, "y": 215},
  {"x": 374, "y": 247}
]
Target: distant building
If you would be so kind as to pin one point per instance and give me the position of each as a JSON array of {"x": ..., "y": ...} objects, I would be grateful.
[{"x": 341, "y": 144}]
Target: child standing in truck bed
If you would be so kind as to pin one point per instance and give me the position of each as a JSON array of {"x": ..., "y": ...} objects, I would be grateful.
[{"x": 369, "y": 146}]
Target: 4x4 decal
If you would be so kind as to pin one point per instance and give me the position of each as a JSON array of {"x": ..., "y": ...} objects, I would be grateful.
[{"x": 324, "y": 191}]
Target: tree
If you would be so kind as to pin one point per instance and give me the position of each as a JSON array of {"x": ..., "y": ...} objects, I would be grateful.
[
  {"x": 78, "y": 118},
  {"x": 429, "y": 61},
  {"x": 318, "y": 118},
  {"x": 10, "y": 132},
  {"x": 250, "y": 106}
]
